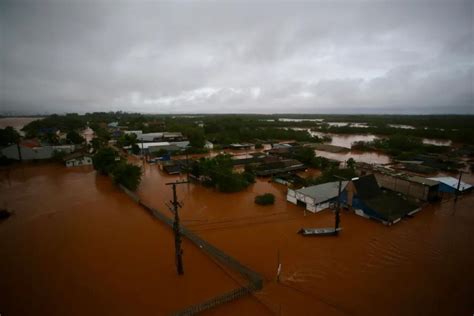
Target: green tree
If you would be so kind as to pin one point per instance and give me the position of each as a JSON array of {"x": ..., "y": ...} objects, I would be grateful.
[
  {"x": 98, "y": 143},
  {"x": 351, "y": 163},
  {"x": 196, "y": 137},
  {"x": 304, "y": 154},
  {"x": 105, "y": 160},
  {"x": 265, "y": 199},
  {"x": 127, "y": 140},
  {"x": 73, "y": 137},
  {"x": 9, "y": 136},
  {"x": 127, "y": 175},
  {"x": 50, "y": 138},
  {"x": 218, "y": 172}
]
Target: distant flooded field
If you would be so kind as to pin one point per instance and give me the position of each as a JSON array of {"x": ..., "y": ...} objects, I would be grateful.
[
  {"x": 17, "y": 122},
  {"x": 79, "y": 246}
]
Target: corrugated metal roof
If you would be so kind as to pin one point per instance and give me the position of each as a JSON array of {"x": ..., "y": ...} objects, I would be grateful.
[
  {"x": 323, "y": 192},
  {"x": 426, "y": 181},
  {"x": 155, "y": 144},
  {"x": 452, "y": 182}
]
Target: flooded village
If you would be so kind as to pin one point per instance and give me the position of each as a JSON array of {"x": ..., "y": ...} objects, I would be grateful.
[{"x": 285, "y": 215}]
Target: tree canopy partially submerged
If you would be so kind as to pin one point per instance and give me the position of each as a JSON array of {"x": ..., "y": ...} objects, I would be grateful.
[
  {"x": 265, "y": 199},
  {"x": 107, "y": 161},
  {"x": 218, "y": 172}
]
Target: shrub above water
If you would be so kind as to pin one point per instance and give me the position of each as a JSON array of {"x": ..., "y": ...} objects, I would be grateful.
[{"x": 265, "y": 199}]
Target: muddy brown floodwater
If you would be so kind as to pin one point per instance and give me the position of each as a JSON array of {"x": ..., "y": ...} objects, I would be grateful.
[{"x": 79, "y": 246}]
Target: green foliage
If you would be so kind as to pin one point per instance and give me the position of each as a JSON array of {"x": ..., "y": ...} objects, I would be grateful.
[
  {"x": 127, "y": 140},
  {"x": 258, "y": 146},
  {"x": 98, "y": 143},
  {"x": 400, "y": 146},
  {"x": 73, "y": 137},
  {"x": 351, "y": 163},
  {"x": 160, "y": 153},
  {"x": 265, "y": 199},
  {"x": 218, "y": 172},
  {"x": 135, "y": 149},
  {"x": 321, "y": 163},
  {"x": 105, "y": 160},
  {"x": 304, "y": 154},
  {"x": 8, "y": 136},
  {"x": 403, "y": 143},
  {"x": 68, "y": 122},
  {"x": 249, "y": 176},
  {"x": 194, "y": 150},
  {"x": 127, "y": 175},
  {"x": 196, "y": 137},
  {"x": 50, "y": 138},
  {"x": 100, "y": 132},
  {"x": 58, "y": 155}
]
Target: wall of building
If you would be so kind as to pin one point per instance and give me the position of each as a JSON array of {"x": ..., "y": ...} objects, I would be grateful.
[
  {"x": 412, "y": 189},
  {"x": 27, "y": 153}
]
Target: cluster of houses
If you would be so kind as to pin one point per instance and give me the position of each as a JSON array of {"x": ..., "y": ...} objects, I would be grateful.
[
  {"x": 380, "y": 195},
  {"x": 156, "y": 144},
  {"x": 33, "y": 150}
]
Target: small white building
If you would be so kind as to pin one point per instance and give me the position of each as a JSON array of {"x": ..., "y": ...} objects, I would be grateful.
[
  {"x": 317, "y": 197},
  {"x": 77, "y": 159},
  {"x": 208, "y": 145}
]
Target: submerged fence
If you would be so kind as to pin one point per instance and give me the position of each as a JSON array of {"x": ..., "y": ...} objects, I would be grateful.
[{"x": 255, "y": 279}]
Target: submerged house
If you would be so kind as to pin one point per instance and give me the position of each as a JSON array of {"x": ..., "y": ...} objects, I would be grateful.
[
  {"x": 246, "y": 146},
  {"x": 414, "y": 186},
  {"x": 279, "y": 166},
  {"x": 28, "y": 150},
  {"x": 77, "y": 159},
  {"x": 450, "y": 185},
  {"x": 367, "y": 199},
  {"x": 317, "y": 197}
]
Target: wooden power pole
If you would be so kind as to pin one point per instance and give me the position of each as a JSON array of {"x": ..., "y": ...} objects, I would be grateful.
[
  {"x": 338, "y": 209},
  {"x": 457, "y": 189},
  {"x": 175, "y": 205}
]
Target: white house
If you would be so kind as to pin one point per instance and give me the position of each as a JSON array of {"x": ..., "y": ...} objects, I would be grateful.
[
  {"x": 77, "y": 159},
  {"x": 208, "y": 145},
  {"x": 317, "y": 197}
]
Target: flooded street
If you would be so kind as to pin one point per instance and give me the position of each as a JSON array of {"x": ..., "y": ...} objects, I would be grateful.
[
  {"x": 340, "y": 275},
  {"x": 77, "y": 245}
]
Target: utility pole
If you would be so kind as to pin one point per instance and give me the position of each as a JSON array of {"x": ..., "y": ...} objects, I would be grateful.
[
  {"x": 338, "y": 206},
  {"x": 20, "y": 158},
  {"x": 177, "y": 231},
  {"x": 457, "y": 189},
  {"x": 338, "y": 209}
]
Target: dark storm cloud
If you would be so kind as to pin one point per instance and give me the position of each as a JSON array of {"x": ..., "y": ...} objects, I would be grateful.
[{"x": 342, "y": 56}]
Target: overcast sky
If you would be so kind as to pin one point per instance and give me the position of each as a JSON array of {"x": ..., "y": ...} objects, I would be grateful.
[{"x": 234, "y": 57}]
